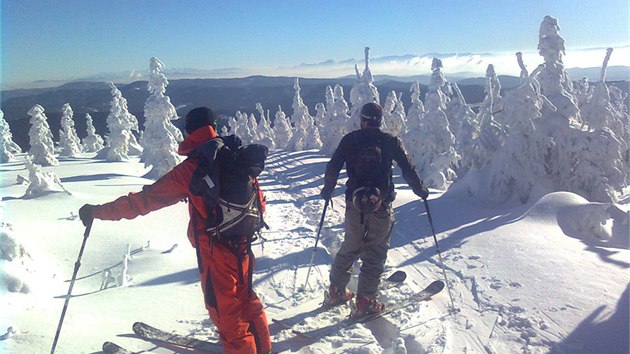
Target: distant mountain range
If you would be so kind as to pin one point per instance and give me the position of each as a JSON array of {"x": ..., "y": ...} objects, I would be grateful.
[{"x": 224, "y": 96}]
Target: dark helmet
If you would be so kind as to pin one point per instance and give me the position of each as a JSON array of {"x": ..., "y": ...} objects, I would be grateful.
[
  {"x": 372, "y": 113},
  {"x": 367, "y": 199},
  {"x": 199, "y": 117}
]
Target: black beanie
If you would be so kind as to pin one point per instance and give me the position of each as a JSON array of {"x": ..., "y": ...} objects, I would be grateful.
[
  {"x": 199, "y": 117},
  {"x": 372, "y": 113}
]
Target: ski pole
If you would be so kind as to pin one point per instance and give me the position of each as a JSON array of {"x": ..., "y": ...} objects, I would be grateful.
[
  {"x": 88, "y": 227},
  {"x": 437, "y": 247},
  {"x": 319, "y": 230}
]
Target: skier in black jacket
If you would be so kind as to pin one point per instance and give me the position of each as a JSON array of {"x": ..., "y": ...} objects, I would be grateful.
[{"x": 368, "y": 154}]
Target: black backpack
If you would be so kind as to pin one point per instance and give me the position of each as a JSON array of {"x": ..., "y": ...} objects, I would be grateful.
[
  {"x": 369, "y": 167},
  {"x": 225, "y": 179}
]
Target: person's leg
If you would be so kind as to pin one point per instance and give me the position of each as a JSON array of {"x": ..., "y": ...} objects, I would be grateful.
[
  {"x": 254, "y": 313},
  {"x": 374, "y": 252},
  {"x": 349, "y": 250},
  {"x": 220, "y": 284}
]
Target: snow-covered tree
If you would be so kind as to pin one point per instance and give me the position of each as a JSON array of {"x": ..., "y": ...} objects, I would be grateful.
[
  {"x": 265, "y": 133},
  {"x": 491, "y": 133},
  {"x": 362, "y": 92},
  {"x": 465, "y": 127},
  {"x": 415, "y": 117},
  {"x": 69, "y": 142},
  {"x": 520, "y": 161},
  {"x": 436, "y": 156},
  {"x": 600, "y": 168},
  {"x": 119, "y": 127},
  {"x": 320, "y": 118},
  {"x": 497, "y": 100},
  {"x": 40, "y": 182},
  {"x": 92, "y": 142},
  {"x": 395, "y": 121},
  {"x": 42, "y": 148},
  {"x": 282, "y": 129},
  {"x": 8, "y": 148},
  {"x": 339, "y": 121},
  {"x": 252, "y": 124},
  {"x": 326, "y": 122},
  {"x": 305, "y": 134},
  {"x": 556, "y": 84},
  {"x": 242, "y": 129},
  {"x": 160, "y": 138}
]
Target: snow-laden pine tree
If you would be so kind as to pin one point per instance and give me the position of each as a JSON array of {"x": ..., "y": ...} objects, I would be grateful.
[
  {"x": 118, "y": 108},
  {"x": 519, "y": 164},
  {"x": 583, "y": 92},
  {"x": 305, "y": 133},
  {"x": 397, "y": 119},
  {"x": 92, "y": 142},
  {"x": 119, "y": 127},
  {"x": 339, "y": 121},
  {"x": 42, "y": 148},
  {"x": 388, "y": 110},
  {"x": 465, "y": 127},
  {"x": 436, "y": 155},
  {"x": 282, "y": 129},
  {"x": 252, "y": 124},
  {"x": 497, "y": 100},
  {"x": 243, "y": 129},
  {"x": 560, "y": 118},
  {"x": 326, "y": 122},
  {"x": 491, "y": 133},
  {"x": 600, "y": 168},
  {"x": 69, "y": 142},
  {"x": 320, "y": 118},
  {"x": 363, "y": 91},
  {"x": 40, "y": 182},
  {"x": 160, "y": 138},
  {"x": 415, "y": 117},
  {"x": 8, "y": 148},
  {"x": 231, "y": 125},
  {"x": 265, "y": 133}
]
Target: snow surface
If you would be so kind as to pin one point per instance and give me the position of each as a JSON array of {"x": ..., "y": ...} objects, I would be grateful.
[{"x": 548, "y": 276}]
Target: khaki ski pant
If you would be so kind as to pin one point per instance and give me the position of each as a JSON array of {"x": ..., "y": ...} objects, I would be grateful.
[{"x": 369, "y": 242}]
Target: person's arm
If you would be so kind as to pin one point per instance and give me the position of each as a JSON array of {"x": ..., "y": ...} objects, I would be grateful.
[
  {"x": 333, "y": 168},
  {"x": 168, "y": 190},
  {"x": 409, "y": 173}
]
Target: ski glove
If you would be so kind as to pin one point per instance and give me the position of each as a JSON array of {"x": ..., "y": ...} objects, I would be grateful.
[
  {"x": 326, "y": 192},
  {"x": 422, "y": 191},
  {"x": 86, "y": 214}
]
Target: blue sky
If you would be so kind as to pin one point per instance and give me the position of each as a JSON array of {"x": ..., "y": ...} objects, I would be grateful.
[{"x": 60, "y": 40}]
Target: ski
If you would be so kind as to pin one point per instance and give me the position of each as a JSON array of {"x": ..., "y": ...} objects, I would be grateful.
[
  {"x": 393, "y": 280},
  {"x": 151, "y": 333},
  {"x": 424, "y": 295},
  {"x": 113, "y": 348}
]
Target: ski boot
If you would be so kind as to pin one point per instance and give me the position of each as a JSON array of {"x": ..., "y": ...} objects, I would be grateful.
[
  {"x": 335, "y": 296},
  {"x": 366, "y": 305}
]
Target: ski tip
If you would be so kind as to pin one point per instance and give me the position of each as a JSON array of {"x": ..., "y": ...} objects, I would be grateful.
[
  {"x": 435, "y": 287},
  {"x": 398, "y": 276}
]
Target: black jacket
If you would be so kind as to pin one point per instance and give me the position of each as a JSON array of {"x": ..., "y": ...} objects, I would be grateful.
[{"x": 391, "y": 150}]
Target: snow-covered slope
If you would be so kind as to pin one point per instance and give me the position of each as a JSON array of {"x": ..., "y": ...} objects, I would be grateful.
[{"x": 549, "y": 276}]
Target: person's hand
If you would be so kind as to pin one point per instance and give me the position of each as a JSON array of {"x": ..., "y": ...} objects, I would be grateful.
[
  {"x": 326, "y": 193},
  {"x": 86, "y": 214},
  {"x": 422, "y": 191}
]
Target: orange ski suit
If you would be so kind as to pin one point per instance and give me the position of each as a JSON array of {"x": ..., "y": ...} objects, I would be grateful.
[{"x": 225, "y": 271}]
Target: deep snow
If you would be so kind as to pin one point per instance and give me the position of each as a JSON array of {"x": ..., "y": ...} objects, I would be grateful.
[{"x": 548, "y": 276}]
